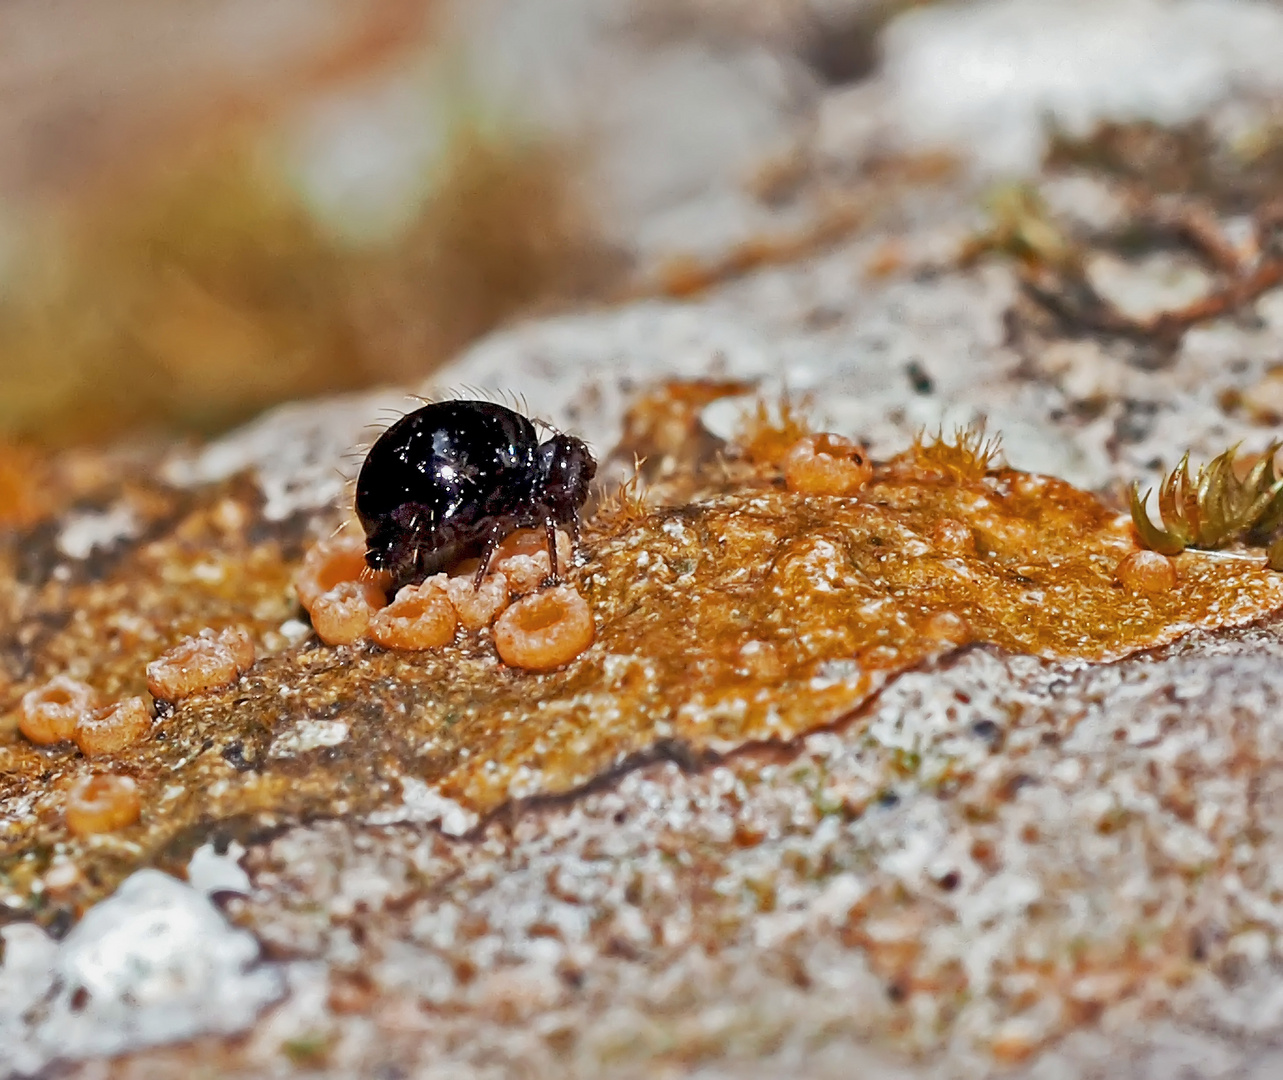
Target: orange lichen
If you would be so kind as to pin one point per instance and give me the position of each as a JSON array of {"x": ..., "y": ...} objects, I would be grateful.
[
  {"x": 238, "y": 643},
  {"x": 341, "y": 615},
  {"x": 51, "y": 713},
  {"x": 545, "y": 630},
  {"x": 950, "y": 534},
  {"x": 102, "y": 803},
  {"x": 662, "y": 427},
  {"x": 199, "y": 664},
  {"x": 760, "y": 659},
  {"x": 1147, "y": 571},
  {"x": 24, "y": 485},
  {"x": 946, "y": 627},
  {"x": 114, "y": 728},
  {"x": 523, "y": 559},
  {"x": 333, "y": 562},
  {"x": 826, "y": 464},
  {"x": 421, "y": 617},
  {"x": 477, "y": 607}
]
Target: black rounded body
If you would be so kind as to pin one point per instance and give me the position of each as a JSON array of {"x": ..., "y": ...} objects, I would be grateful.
[{"x": 453, "y": 478}]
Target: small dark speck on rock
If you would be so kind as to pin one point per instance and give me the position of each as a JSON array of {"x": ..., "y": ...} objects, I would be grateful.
[
  {"x": 1136, "y": 421},
  {"x": 987, "y": 730},
  {"x": 63, "y": 920},
  {"x": 843, "y": 49},
  {"x": 234, "y": 755},
  {"x": 1015, "y": 783},
  {"x": 919, "y": 378}
]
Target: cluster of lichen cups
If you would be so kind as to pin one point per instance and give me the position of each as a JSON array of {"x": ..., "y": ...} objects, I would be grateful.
[
  {"x": 534, "y": 628},
  {"x": 829, "y": 464},
  {"x": 539, "y": 628},
  {"x": 67, "y": 710}
]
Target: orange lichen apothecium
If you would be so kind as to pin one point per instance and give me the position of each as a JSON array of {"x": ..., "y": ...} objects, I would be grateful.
[
  {"x": 826, "y": 464},
  {"x": 421, "y": 617},
  {"x": 102, "y": 803},
  {"x": 1147, "y": 571},
  {"x": 476, "y": 606},
  {"x": 544, "y": 630},
  {"x": 200, "y": 663},
  {"x": 114, "y": 728},
  {"x": 51, "y": 713},
  {"x": 522, "y": 558}
]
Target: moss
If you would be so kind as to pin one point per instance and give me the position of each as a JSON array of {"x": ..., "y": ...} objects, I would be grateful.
[
  {"x": 307, "y": 1051},
  {"x": 1217, "y": 507}
]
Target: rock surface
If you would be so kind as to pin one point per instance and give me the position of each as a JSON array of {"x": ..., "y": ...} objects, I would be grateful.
[{"x": 1002, "y": 865}]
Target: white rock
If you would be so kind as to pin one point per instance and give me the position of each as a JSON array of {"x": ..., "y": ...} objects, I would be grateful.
[
  {"x": 85, "y": 532},
  {"x": 986, "y": 77},
  {"x": 155, "y": 963},
  {"x": 209, "y": 873}
]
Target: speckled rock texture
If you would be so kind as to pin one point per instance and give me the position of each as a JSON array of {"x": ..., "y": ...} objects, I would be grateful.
[{"x": 1002, "y": 864}]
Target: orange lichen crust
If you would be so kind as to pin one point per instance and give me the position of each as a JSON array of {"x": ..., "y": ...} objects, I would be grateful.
[
  {"x": 51, "y": 713},
  {"x": 826, "y": 464},
  {"x": 114, "y": 728},
  {"x": 739, "y": 612},
  {"x": 421, "y": 617},
  {"x": 204, "y": 662},
  {"x": 102, "y": 803},
  {"x": 545, "y": 630},
  {"x": 23, "y": 485}
]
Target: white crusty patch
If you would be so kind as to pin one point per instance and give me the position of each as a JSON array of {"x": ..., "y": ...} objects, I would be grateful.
[
  {"x": 309, "y": 735},
  {"x": 91, "y": 529},
  {"x": 992, "y": 77},
  {"x": 421, "y": 803},
  {"x": 209, "y": 872}
]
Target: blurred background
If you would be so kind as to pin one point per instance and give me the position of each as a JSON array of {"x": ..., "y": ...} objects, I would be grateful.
[{"x": 210, "y": 206}]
